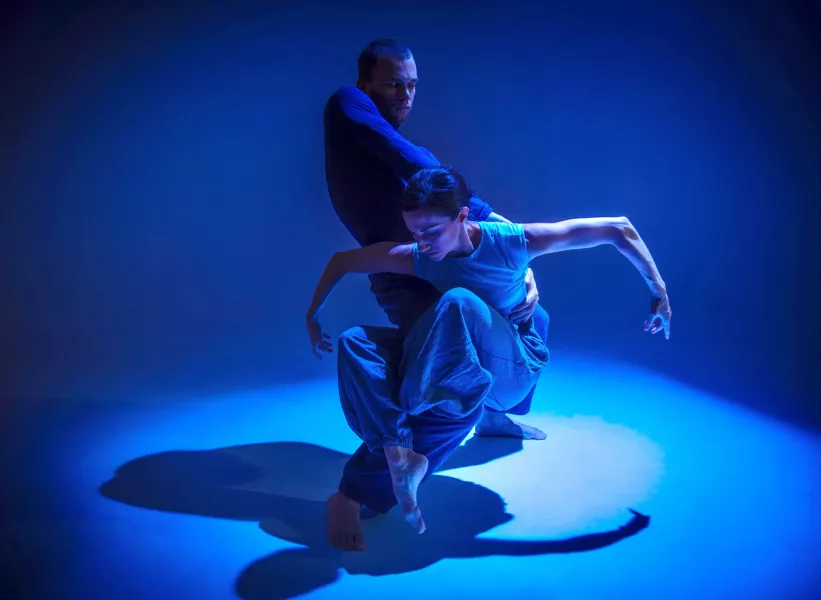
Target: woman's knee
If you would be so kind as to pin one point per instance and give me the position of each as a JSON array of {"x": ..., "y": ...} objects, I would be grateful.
[
  {"x": 460, "y": 305},
  {"x": 462, "y": 299}
]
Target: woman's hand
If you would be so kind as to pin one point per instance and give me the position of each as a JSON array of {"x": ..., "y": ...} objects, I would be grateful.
[
  {"x": 320, "y": 342},
  {"x": 660, "y": 315}
]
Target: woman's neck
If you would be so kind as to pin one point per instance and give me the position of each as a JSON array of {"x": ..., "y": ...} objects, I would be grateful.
[{"x": 469, "y": 238}]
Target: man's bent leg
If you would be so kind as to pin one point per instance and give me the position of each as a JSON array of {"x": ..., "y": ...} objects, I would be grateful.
[{"x": 367, "y": 363}]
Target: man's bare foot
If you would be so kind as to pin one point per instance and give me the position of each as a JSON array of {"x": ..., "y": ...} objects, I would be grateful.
[
  {"x": 407, "y": 469},
  {"x": 500, "y": 425},
  {"x": 342, "y": 516}
]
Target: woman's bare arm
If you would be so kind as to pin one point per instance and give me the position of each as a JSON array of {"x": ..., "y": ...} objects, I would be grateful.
[
  {"x": 575, "y": 234},
  {"x": 383, "y": 257}
]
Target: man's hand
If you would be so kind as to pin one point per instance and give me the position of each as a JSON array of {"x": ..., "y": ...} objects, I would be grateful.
[
  {"x": 660, "y": 315},
  {"x": 526, "y": 309}
]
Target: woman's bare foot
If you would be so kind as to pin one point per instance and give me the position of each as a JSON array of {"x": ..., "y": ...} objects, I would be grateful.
[
  {"x": 407, "y": 469},
  {"x": 500, "y": 425},
  {"x": 342, "y": 516}
]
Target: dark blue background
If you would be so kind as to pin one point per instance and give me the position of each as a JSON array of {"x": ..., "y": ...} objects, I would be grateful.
[{"x": 165, "y": 217}]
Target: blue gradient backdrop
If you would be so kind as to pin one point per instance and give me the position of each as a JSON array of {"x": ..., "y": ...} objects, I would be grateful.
[{"x": 165, "y": 217}]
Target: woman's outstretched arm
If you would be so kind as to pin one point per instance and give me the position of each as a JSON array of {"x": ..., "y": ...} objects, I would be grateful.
[
  {"x": 575, "y": 234},
  {"x": 383, "y": 257}
]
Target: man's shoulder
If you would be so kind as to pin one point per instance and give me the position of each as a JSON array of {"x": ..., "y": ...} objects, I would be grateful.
[{"x": 347, "y": 96}]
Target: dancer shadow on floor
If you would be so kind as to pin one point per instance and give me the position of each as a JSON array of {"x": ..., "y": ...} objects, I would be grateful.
[{"x": 283, "y": 486}]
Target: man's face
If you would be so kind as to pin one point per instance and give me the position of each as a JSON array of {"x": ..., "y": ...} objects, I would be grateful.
[{"x": 392, "y": 88}]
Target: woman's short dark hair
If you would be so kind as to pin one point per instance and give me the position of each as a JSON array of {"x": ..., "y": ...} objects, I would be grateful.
[{"x": 441, "y": 190}]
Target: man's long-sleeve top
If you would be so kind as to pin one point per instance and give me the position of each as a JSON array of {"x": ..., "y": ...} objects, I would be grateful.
[{"x": 367, "y": 165}]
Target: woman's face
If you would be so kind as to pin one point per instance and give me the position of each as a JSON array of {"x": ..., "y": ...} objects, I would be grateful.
[{"x": 436, "y": 235}]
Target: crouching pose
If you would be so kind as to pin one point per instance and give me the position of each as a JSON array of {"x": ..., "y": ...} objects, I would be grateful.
[{"x": 464, "y": 353}]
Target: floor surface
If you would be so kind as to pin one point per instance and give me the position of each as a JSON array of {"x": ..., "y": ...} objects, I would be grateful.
[{"x": 223, "y": 498}]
